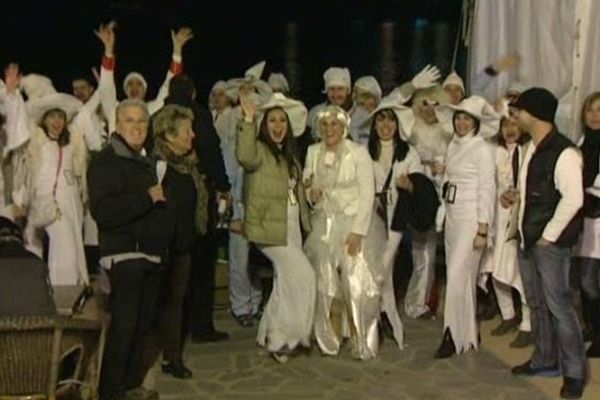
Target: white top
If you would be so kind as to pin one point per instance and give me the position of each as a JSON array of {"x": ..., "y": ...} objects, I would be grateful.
[{"x": 568, "y": 182}]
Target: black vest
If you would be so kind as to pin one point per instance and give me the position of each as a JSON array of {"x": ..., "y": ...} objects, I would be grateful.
[{"x": 542, "y": 197}]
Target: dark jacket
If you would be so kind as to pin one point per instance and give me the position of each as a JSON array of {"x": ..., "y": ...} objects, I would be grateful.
[
  {"x": 418, "y": 209},
  {"x": 542, "y": 196},
  {"x": 181, "y": 197},
  {"x": 127, "y": 219}
]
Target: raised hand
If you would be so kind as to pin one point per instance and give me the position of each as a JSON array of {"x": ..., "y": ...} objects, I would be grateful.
[
  {"x": 427, "y": 77},
  {"x": 248, "y": 107},
  {"x": 12, "y": 77},
  {"x": 106, "y": 34},
  {"x": 180, "y": 38}
]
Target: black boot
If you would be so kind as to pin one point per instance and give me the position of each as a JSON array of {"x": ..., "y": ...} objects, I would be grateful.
[
  {"x": 594, "y": 315},
  {"x": 447, "y": 348}
]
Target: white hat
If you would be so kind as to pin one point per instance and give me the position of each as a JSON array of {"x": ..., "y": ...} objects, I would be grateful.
[
  {"x": 295, "y": 110},
  {"x": 336, "y": 76},
  {"x": 37, "y": 107},
  {"x": 370, "y": 85},
  {"x": 252, "y": 76},
  {"x": 278, "y": 82},
  {"x": 404, "y": 114},
  {"x": 135, "y": 75},
  {"x": 336, "y": 111},
  {"x": 454, "y": 79},
  {"x": 36, "y": 86},
  {"x": 478, "y": 108}
]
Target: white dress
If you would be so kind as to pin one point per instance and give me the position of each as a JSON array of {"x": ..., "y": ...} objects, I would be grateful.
[
  {"x": 347, "y": 206},
  {"x": 66, "y": 258},
  {"x": 470, "y": 171}
]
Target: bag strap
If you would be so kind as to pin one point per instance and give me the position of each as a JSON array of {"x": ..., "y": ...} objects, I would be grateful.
[{"x": 60, "y": 159}]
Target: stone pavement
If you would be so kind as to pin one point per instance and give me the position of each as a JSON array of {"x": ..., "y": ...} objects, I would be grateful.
[{"x": 237, "y": 370}]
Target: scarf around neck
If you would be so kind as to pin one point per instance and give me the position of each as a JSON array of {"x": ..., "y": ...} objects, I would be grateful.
[{"x": 187, "y": 164}]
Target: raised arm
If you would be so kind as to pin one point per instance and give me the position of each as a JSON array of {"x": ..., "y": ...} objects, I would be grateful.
[
  {"x": 107, "y": 90},
  {"x": 246, "y": 149},
  {"x": 179, "y": 39}
]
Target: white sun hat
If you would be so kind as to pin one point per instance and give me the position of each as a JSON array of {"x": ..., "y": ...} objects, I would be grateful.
[
  {"x": 478, "y": 108},
  {"x": 296, "y": 111}
]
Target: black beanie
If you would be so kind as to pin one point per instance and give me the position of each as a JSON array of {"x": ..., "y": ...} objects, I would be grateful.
[{"x": 538, "y": 102}]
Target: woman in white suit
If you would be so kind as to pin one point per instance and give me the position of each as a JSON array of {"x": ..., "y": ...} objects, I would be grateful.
[
  {"x": 341, "y": 247},
  {"x": 470, "y": 197}
]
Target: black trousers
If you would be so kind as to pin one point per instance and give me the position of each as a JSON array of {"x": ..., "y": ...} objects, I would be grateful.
[
  {"x": 199, "y": 303},
  {"x": 135, "y": 294}
]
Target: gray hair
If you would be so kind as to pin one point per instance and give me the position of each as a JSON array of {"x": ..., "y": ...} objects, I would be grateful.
[
  {"x": 132, "y": 103},
  {"x": 168, "y": 118}
]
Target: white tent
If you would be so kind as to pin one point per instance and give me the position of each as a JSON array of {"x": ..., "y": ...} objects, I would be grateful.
[{"x": 559, "y": 45}]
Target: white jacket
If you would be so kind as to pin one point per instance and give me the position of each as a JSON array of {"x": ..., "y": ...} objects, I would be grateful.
[{"x": 354, "y": 191}]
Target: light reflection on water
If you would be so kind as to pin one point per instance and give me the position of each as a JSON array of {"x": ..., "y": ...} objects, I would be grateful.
[{"x": 392, "y": 52}]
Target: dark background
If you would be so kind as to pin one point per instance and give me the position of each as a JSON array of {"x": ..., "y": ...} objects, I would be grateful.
[{"x": 391, "y": 39}]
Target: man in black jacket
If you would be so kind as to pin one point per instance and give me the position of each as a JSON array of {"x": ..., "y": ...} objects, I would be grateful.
[
  {"x": 551, "y": 196},
  {"x": 135, "y": 229},
  {"x": 198, "y": 309}
]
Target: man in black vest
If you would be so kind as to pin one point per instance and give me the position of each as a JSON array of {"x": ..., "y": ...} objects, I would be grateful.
[{"x": 551, "y": 197}]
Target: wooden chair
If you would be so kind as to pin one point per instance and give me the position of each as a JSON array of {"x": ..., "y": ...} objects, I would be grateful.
[{"x": 49, "y": 357}]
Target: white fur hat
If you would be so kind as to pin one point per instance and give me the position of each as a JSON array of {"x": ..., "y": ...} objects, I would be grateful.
[
  {"x": 478, "y": 108},
  {"x": 135, "y": 75},
  {"x": 296, "y": 111},
  {"x": 370, "y": 85},
  {"x": 336, "y": 76},
  {"x": 36, "y": 86},
  {"x": 278, "y": 82},
  {"x": 454, "y": 79},
  {"x": 37, "y": 107}
]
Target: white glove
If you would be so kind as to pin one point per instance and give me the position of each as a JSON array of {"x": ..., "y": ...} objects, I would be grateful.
[{"x": 427, "y": 77}]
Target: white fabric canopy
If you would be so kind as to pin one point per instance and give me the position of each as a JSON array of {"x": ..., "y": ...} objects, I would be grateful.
[{"x": 559, "y": 45}]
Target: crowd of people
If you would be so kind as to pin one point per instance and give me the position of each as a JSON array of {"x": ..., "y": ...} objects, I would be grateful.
[{"x": 141, "y": 190}]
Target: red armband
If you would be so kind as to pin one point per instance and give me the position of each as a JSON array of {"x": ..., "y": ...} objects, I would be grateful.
[
  {"x": 108, "y": 63},
  {"x": 176, "y": 68}
]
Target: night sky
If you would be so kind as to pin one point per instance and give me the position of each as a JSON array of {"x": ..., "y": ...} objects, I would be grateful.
[{"x": 56, "y": 38}]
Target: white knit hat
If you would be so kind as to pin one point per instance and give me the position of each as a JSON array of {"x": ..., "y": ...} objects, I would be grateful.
[
  {"x": 336, "y": 76},
  {"x": 454, "y": 79},
  {"x": 370, "y": 85},
  {"x": 278, "y": 82},
  {"x": 135, "y": 75},
  {"x": 296, "y": 111}
]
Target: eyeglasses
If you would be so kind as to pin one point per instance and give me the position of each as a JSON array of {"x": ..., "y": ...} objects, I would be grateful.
[{"x": 513, "y": 112}]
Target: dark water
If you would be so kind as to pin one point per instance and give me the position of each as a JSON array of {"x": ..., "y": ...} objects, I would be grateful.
[{"x": 390, "y": 40}]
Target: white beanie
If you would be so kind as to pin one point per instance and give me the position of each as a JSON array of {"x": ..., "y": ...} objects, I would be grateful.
[
  {"x": 454, "y": 79},
  {"x": 135, "y": 75},
  {"x": 336, "y": 76},
  {"x": 370, "y": 85},
  {"x": 278, "y": 82}
]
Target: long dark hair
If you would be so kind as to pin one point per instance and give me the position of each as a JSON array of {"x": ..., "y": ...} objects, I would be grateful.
[
  {"x": 287, "y": 151},
  {"x": 400, "y": 146},
  {"x": 65, "y": 136}
]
